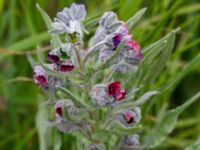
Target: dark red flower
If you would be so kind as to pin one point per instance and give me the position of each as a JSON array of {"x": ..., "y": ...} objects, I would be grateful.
[
  {"x": 114, "y": 89},
  {"x": 41, "y": 80},
  {"x": 130, "y": 117},
  {"x": 40, "y": 76},
  {"x": 134, "y": 45},
  {"x": 121, "y": 95},
  {"x": 53, "y": 58},
  {"x": 59, "y": 111},
  {"x": 66, "y": 66},
  {"x": 117, "y": 39}
]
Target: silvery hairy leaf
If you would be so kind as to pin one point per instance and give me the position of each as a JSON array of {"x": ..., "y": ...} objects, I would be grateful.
[
  {"x": 167, "y": 124},
  {"x": 96, "y": 147},
  {"x": 68, "y": 48},
  {"x": 195, "y": 145},
  {"x": 130, "y": 142},
  {"x": 108, "y": 24},
  {"x": 56, "y": 40},
  {"x": 72, "y": 111},
  {"x": 78, "y": 11},
  {"x": 134, "y": 19},
  {"x": 115, "y": 57},
  {"x": 64, "y": 126}
]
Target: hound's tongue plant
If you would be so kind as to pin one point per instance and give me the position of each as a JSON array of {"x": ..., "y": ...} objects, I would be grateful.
[{"x": 98, "y": 87}]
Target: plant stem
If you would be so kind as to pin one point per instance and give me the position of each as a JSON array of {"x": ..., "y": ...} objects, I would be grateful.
[{"x": 80, "y": 60}]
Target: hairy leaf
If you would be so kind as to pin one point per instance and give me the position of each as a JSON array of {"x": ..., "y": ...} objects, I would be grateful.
[
  {"x": 72, "y": 96},
  {"x": 195, "y": 145},
  {"x": 133, "y": 20},
  {"x": 132, "y": 104},
  {"x": 155, "y": 60},
  {"x": 167, "y": 124},
  {"x": 56, "y": 42}
]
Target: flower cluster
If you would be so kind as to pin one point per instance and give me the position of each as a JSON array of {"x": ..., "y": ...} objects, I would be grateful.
[
  {"x": 108, "y": 94},
  {"x": 89, "y": 103},
  {"x": 113, "y": 31}
]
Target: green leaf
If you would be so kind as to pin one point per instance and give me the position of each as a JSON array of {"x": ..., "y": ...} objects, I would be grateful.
[
  {"x": 133, "y": 20},
  {"x": 57, "y": 140},
  {"x": 194, "y": 64},
  {"x": 78, "y": 101},
  {"x": 92, "y": 51},
  {"x": 195, "y": 145},
  {"x": 27, "y": 43},
  {"x": 56, "y": 42},
  {"x": 132, "y": 104},
  {"x": 43, "y": 131},
  {"x": 188, "y": 9},
  {"x": 167, "y": 124},
  {"x": 113, "y": 58},
  {"x": 148, "y": 48},
  {"x": 92, "y": 23},
  {"x": 121, "y": 130},
  {"x": 31, "y": 60},
  {"x": 148, "y": 60},
  {"x": 155, "y": 60}
]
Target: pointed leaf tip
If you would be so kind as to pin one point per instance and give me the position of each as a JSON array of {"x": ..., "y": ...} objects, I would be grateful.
[{"x": 135, "y": 18}]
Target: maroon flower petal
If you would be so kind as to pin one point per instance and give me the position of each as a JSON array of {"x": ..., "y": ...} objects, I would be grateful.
[
  {"x": 40, "y": 76},
  {"x": 130, "y": 117},
  {"x": 134, "y": 45},
  {"x": 41, "y": 80},
  {"x": 139, "y": 56},
  {"x": 121, "y": 95},
  {"x": 53, "y": 58},
  {"x": 59, "y": 111},
  {"x": 117, "y": 40},
  {"x": 66, "y": 66},
  {"x": 114, "y": 89}
]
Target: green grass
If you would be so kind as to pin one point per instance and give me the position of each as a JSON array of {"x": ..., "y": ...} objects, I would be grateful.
[{"x": 22, "y": 29}]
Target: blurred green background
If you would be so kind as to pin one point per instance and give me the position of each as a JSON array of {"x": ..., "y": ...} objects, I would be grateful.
[{"x": 22, "y": 29}]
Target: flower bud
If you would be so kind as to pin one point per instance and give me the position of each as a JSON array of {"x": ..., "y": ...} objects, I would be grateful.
[
  {"x": 65, "y": 126},
  {"x": 105, "y": 54},
  {"x": 130, "y": 142},
  {"x": 40, "y": 76},
  {"x": 96, "y": 147},
  {"x": 72, "y": 109},
  {"x": 129, "y": 118},
  {"x": 59, "y": 106},
  {"x": 110, "y": 22},
  {"x": 100, "y": 96},
  {"x": 123, "y": 29}
]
